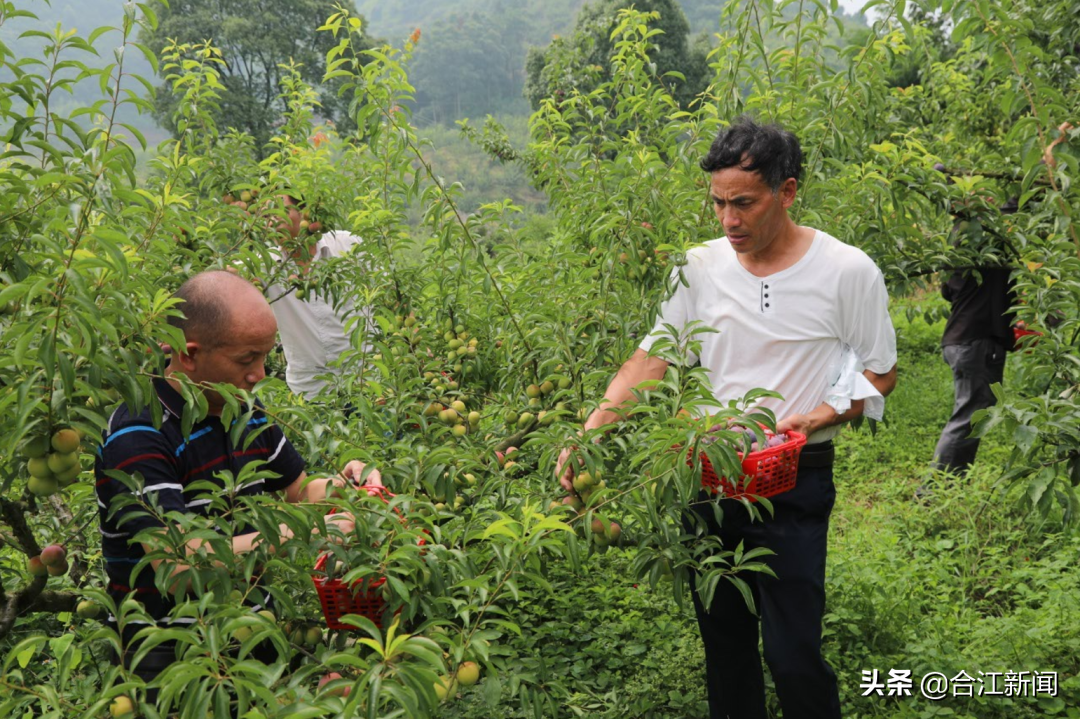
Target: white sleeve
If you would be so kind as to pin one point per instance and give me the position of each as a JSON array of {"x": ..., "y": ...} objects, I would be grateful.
[
  {"x": 848, "y": 384},
  {"x": 677, "y": 311},
  {"x": 867, "y": 327}
]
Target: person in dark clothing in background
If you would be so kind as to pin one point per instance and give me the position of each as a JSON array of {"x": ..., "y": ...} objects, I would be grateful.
[{"x": 978, "y": 334}]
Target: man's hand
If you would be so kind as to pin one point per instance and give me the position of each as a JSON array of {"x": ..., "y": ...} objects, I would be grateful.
[
  {"x": 343, "y": 522},
  {"x": 354, "y": 470},
  {"x": 818, "y": 418},
  {"x": 564, "y": 470},
  {"x": 801, "y": 423},
  {"x": 318, "y": 490},
  {"x": 825, "y": 416},
  {"x": 619, "y": 395}
]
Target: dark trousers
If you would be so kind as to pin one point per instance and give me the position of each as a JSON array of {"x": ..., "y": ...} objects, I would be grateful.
[
  {"x": 976, "y": 366},
  {"x": 160, "y": 658},
  {"x": 156, "y": 661},
  {"x": 790, "y": 607}
]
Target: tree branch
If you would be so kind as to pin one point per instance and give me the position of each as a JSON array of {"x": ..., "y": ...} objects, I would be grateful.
[
  {"x": 48, "y": 601},
  {"x": 33, "y": 597},
  {"x": 513, "y": 440},
  {"x": 13, "y": 604},
  {"x": 14, "y": 514}
]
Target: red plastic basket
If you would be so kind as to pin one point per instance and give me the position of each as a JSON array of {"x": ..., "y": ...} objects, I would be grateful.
[
  {"x": 1020, "y": 331},
  {"x": 363, "y": 597},
  {"x": 766, "y": 473}
]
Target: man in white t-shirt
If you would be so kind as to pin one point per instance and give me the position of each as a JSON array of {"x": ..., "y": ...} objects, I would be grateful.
[
  {"x": 313, "y": 332},
  {"x": 785, "y": 300}
]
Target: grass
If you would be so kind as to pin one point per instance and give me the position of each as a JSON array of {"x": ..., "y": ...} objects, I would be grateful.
[{"x": 961, "y": 582}]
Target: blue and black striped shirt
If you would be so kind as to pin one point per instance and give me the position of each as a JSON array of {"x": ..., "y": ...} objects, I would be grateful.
[{"x": 169, "y": 463}]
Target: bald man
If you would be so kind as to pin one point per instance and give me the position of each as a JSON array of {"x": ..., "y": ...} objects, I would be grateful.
[{"x": 228, "y": 329}]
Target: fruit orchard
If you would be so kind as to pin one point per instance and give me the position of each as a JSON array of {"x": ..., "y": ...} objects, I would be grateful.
[{"x": 492, "y": 334}]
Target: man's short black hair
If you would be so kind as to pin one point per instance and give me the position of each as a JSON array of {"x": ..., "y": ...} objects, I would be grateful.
[
  {"x": 770, "y": 150},
  {"x": 207, "y": 318}
]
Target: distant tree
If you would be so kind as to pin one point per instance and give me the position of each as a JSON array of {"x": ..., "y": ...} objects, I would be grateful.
[
  {"x": 255, "y": 38},
  {"x": 581, "y": 61},
  {"x": 468, "y": 65},
  {"x": 703, "y": 15}
]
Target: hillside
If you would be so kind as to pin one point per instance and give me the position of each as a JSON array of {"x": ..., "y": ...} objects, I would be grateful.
[
  {"x": 469, "y": 62},
  {"x": 539, "y": 19},
  {"x": 83, "y": 17}
]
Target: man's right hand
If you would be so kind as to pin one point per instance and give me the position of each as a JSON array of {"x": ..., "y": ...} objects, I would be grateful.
[{"x": 639, "y": 368}]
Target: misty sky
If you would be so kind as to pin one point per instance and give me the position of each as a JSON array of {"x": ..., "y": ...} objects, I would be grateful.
[{"x": 852, "y": 6}]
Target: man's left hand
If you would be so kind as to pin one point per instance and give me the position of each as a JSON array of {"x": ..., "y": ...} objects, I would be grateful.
[
  {"x": 801, "y": 423},
  {"x": 354, "y": 470}
]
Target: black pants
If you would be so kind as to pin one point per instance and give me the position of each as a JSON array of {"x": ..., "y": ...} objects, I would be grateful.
[
  {"x": 790, "y": 606},
  {"x": 156, "y": 661},
  {"x": 976, "y": 366}
]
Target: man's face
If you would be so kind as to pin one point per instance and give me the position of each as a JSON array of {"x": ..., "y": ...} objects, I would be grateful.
[
  {"x": 752, "y": 215},
  {"x": 240, "y": 359}
]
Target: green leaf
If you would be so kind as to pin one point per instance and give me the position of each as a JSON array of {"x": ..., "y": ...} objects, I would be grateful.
[
  {"x": 1024, "y": 436},
  {"x": 492, "y": 692},
  {"x": 502, "y": 527},
  {"x": 26, "y": 655}
]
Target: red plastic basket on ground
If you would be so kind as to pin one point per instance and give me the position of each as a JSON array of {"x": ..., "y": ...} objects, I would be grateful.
[
  {"x": 338, "y": 598},
  {"x": 363, "y": 597},
  {"x": 766, "y": 472}
]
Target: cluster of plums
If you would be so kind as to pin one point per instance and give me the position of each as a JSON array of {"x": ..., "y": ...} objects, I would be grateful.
[
  {"x": 52, "y": 462},
  {"x": 771, "y": 440}
]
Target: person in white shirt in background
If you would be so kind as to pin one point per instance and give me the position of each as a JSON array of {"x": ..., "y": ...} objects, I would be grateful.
[
  {"x": 313, "y": 333},
  {"x": 788, "y": 303}
]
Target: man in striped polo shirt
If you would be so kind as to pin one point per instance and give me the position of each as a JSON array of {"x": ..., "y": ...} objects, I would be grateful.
[{"x": 229, "y": 329}]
